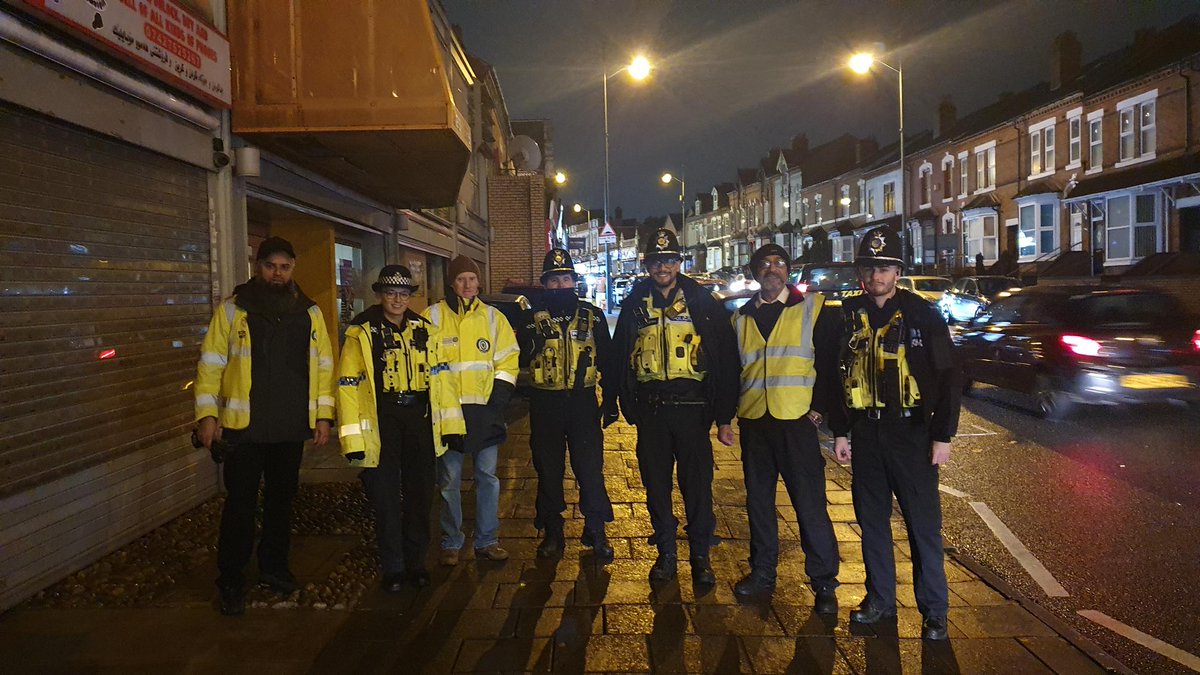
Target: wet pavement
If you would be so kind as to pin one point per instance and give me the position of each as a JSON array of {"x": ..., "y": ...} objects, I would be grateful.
[{"x": 568, "y": 615}]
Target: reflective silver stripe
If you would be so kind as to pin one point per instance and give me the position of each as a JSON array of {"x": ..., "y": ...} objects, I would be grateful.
[
  {"x": 327, "y": 401},
  {"x": 752, "y": 383},
  {"x": 751, "y": 357},
  {"x": 349, "y": 430},
  {"x": 325, "y": 363},
  {"x": 237, "y": 404},
  {"x": 206, "y": 400},
  {"x": 229, "y": 311},
  {"x": 214, "y": 359},
  {"x": 790, "y": 351},
  {"x": 493, "y": 325},
  {"x": 240, "y": 352},
  {"x": 435, "y": 313},
  {"x": 461, "y": 366},
  {"x": 447, "y": 414},
  {"x": 506, "y": 377},
  {"x": 472, "y": 399},
  {"x": 790, "y": 381},
  {"x": 501, "y": 355}
]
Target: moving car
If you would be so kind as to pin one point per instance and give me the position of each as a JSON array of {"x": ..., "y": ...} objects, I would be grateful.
[
  {"x": 713, "y": 284},
  {"x": 1067, "y": 345},
  {"x": 834, "y": 280},
  {"x": 971, "y": 295},
  {"x": 930, "y": 288}
]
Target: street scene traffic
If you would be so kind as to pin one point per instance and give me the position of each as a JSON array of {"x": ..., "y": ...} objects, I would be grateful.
[{"x": 429, "y": 336}]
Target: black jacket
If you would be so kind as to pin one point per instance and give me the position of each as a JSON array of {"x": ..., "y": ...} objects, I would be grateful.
[
  {"x": 930, "y": 356},
  {"x": 531, "y": 342},
  {"x": 827, "y": 335},
  {"x": 718, "y": 344}
]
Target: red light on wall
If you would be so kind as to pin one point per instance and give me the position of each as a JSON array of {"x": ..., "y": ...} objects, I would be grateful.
[
  {"x": 107, "y": 354},
  {"x": 1081, "y": 345},
  {"x": 1196, "y": 341}
]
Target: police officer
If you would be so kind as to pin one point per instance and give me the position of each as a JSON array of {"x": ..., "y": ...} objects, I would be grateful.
[
  {"x": 567, "y": 351},
  {"x": 789, "y": 347},
  {"x": 899, "y": 387},
  {"x": 397, "y": 401},
  {"x": 679, "y": 373}
]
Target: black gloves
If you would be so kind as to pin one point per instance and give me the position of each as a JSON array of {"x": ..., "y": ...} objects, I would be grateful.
[
  {"x": 608, "y": 413},
  {"x": 355, "y": 456},
  {"x": 454, "y": 442}
]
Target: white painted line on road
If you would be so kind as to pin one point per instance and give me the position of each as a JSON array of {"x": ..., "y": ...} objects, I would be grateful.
[
  {"x": 1023, "y": 555},
  {"x": 1148, "y": 641},
  {"x": 952, "y": 492},
  {"x": 976, "y": 430}
]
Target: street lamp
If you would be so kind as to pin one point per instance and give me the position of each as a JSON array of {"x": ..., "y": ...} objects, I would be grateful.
[
  {"x": 560, "y": 178},
  {"x": 666, "y": 179},
  {"x": 861, "y": 63},
  {"x": 639, "y": 69}
]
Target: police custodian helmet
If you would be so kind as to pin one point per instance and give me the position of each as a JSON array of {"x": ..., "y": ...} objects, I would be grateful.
[
  {"x": 663, "y": 244},
  {"x": 880, "y": 246},
  {"x": 558, "y": 261}
]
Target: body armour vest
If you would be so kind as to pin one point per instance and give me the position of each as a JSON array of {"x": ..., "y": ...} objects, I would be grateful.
[
  {"x": 875, "y": 371},
  {"x": 668, "y": 346},
  {"x": 402, "y": 356},
  {"x": 567, "y": 359}
]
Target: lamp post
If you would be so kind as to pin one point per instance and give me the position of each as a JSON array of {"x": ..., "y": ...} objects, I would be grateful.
[
  {"x": 861, "y": 63},
  {"x": 666, "y": 179},
  {"x": 639, "y": 69}
]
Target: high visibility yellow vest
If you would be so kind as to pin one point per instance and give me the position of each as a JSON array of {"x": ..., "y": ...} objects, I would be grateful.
[
  {"x": 778, "y": 373},
  {"x": 668, "y": 346},
  {"x": 875, "y": 370},
  {"x": 357, "y": 400},
  {"x": 223, "y": 374},
  {"x": 566, "y": 348},
  {"x": 480, "y": 346}
]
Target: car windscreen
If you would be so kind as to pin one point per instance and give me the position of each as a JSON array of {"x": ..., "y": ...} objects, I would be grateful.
[
  {"x": 992, "y": 286},
  {"x": 1117, "y": 309},
  {"x": 934, "y": 285},
  {"x": 832, "y": 278}
]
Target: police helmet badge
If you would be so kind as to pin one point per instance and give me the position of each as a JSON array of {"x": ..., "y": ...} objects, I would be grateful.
[
  {"x": 483, "y": 345},
  {"x": 877, "y": 243},
  {"x": 663, "y": 242}
]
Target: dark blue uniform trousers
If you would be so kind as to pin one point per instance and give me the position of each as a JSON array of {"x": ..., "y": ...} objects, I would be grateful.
[
  {"x": 667, "y": 435},
  {"x": 401, "y": 488},
  {"x": 558, "y": 420},
  {"x": 891, "y": 456}
]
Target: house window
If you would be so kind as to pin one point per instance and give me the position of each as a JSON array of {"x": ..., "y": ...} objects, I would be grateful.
[
  {"x": 1132, "y": 230},
  {"x": 1137, "y": 127},
  {"x": 1038, "y": 229},
  {"x": 1095, "y": 144},
  {"x": 843, "y": 248},
  {"x": 870, "y": 208},
  {"x": 926, "y": 185},
  {"x": 844, "y": 200},
  {"x": 862, "y": 196},
  {"x": 985, "y": 168},
  {"x": 980, "y": 237},
  {"x": 1074, "y": 141},
  {"x": 1041, "y": 149},
  {"x": 818, "y": 213},
  {"x": 962, "y": 174},
  {"x": 889, "y": 197},
  {"x": 947, "y": 178}
]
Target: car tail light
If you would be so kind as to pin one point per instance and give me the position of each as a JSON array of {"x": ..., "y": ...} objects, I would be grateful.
[
  {"x": 803, "y": 288},
  {"x": 1081, "y": 346},
  {"x": 1196, "y": 341}
]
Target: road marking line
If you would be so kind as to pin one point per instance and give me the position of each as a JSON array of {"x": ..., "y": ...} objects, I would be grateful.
[
  {"x": 1023, "y": 555},
  {"x": 1148, "y": 641},
  {"x": 952, "y": 492}
]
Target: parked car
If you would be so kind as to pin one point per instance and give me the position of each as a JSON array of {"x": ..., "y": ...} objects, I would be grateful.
[
  {"x": 713, "y": 284},
  {"x": 532, "y": 293},
  {"x": 621, "y": 286},
  {"x": 930, "y": 288},
  {"x": 733, "y": 300},
  {"x": 1067, "y": 345},
  {"x": 795, "y": 272},
  {"x": 834, "y": 280},
  {"x": 971, "y": 295}
]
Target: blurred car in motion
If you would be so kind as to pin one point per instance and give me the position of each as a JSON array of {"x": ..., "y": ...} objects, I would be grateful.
[
  {"x": 834, "y": 280},
  {"x": 971, "y": 295},
  {"x": 733, "y": 300},
  {"x": 930, "y": 288},
  {"x": 713, "y": 284},
  {"x": 1069, "y": 345}
]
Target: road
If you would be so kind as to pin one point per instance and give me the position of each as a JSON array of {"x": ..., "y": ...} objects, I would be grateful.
[{"x": 1108, "y": 501}]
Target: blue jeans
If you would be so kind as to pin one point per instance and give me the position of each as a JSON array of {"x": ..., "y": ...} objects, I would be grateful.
[{"x": 487, "y": 498}]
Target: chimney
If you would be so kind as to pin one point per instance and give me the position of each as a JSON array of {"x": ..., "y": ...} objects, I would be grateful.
[
  {"x": 865, "y": 149},
  {"x": 1067, "y": 60},
  {"x": 947, "y": 117},
  {"x": 800, "y": 143},
  {"x": 617, "y": 216}
]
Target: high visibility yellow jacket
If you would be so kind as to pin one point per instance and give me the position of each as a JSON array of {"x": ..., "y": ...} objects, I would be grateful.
[
  {"x": 778, "y": 373},
  {"x": 480, "y": 346},
  {"x": 223, "y": 374},
  {"x": 357, "y": 393}
]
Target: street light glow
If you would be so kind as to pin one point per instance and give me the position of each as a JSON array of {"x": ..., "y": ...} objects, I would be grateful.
[
  {"x": 639, "y": 68},
  {"x": 666, "y": 177},
  {"x": 861, "y": 62},
  {"x": 560, "y": 178},
  {"x": 577, "y": 208}
]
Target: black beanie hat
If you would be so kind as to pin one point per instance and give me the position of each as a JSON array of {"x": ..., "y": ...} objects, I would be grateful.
[
  {"x": 762, "y": 253},
  {"x": 273, "y": 245}
]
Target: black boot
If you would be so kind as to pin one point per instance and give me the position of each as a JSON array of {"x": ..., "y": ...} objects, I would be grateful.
[
  {"x": 826, "y": 601},
  {"x": 702, "y": 572},
  {"x": 665, "y": 568},
  {"x": 598, "y": 541},
  {"x": 552, "y": 544},
  {"x": 233, "y": 601},
  {"x": 755, "y": 583},
  {"x": 283, "y": 582},
  {"x": 934, "y": 628},
  {"x": 867, "y": 612}
]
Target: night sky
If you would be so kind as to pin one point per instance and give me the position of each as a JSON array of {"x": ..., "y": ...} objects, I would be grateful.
[{"x": 734, "y": 79}]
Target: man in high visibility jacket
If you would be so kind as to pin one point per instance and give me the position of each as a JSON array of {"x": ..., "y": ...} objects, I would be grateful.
[
  {"x": 566, "y": 348},
  {"x": 269, "y": 335},
  {"x": 789, "y": 349},
  {"x": 679, "y": 374},
  {"x": 900, "y": 393},
  {"x": 398, "y": 404},
  {"x": 481, "y": 348}
]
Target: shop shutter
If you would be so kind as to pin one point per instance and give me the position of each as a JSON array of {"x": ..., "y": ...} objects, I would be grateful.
[{"x": 105, "y": 293}]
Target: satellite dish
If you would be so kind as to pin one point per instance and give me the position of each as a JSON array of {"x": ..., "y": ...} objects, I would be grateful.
[{"x": 524, "y": 153}]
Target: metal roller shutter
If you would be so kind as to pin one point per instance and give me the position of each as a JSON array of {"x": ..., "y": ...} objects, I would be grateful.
[{"x": 105, "y": 286}]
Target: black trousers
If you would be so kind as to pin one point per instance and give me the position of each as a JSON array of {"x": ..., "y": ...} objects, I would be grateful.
[
  {"x": 789, "y": 449},
  {"x": 401, "y": 488},
  {"x": 277, "y": 465},
  {"x": 891, "y": 456},
  {"x": 670, "y": 435},
  {"x": 558, "y": 421}
]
